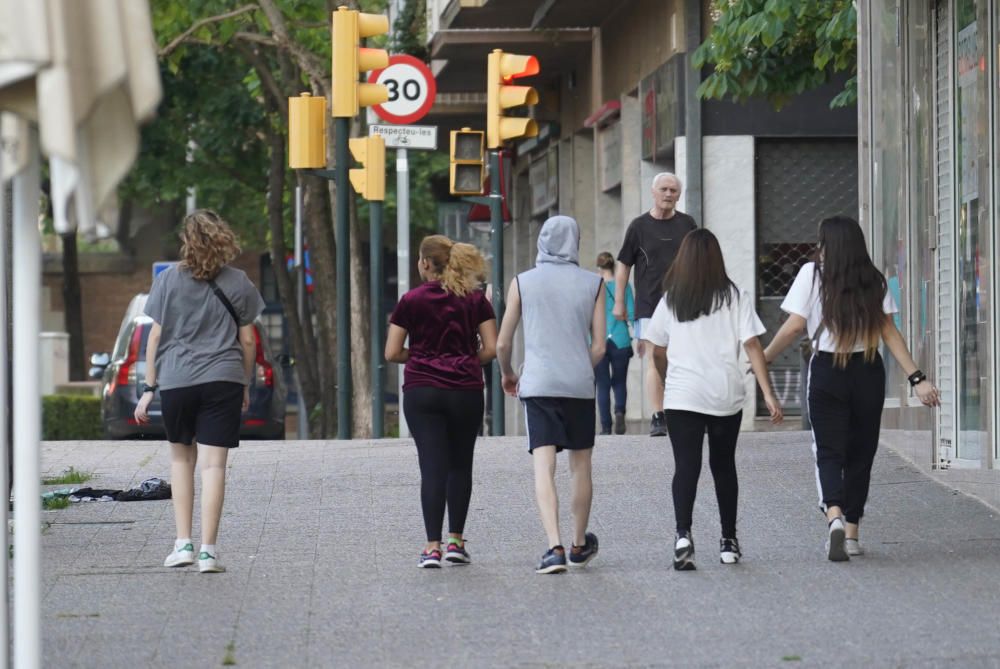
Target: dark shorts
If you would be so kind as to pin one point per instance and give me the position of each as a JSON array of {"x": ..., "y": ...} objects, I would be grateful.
[
  {"x": 208, "y": 413},
  {"x": 563, "y": 422}
]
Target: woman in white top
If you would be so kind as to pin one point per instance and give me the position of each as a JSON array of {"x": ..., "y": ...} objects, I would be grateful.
[
  {"x": 700, "y": 325},
  {"x": 842, "y": 301}
]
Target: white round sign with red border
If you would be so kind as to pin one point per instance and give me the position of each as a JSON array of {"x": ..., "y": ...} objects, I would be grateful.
[{"x": 411, "y": 89}]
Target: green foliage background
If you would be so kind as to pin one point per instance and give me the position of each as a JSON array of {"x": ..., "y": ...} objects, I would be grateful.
[{"x": 778, "y": 49}]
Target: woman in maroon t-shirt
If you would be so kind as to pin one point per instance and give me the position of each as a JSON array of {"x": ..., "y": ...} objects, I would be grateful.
[{"x": 453, "y": 332}]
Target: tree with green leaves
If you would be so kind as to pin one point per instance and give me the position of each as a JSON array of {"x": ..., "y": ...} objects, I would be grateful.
[{"x": 777, "y": 49}]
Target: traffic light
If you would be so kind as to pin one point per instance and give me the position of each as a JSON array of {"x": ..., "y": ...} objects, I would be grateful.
[
  {"x": 501, "y": 69},
  {"x": 468, "y": 162},
  {"x": 369, "y": 180},
  {"x": 349, "y": 59},
  {"x": 306, "y": 132}
]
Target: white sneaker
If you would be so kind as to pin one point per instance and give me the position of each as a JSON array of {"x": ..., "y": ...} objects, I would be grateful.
[
  {"x": 853, "y": 547},
  {"x": 180, "y": 557},
  {"x": 208, "y": 564},
  {"x": 835, "y": 551}
]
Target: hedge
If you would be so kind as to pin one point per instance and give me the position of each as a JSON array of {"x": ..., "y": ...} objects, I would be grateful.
[{"x": 71, "y": 417}]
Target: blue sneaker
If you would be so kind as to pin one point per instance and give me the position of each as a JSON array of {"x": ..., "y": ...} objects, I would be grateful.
[
  {"x": 430, "y": 559},
  {"x": 456, "y": 553},
  {"x": 553, "y": 562},
  {"x": 579, "y": 556}
]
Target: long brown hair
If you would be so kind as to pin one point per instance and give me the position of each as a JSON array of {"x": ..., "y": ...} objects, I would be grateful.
[
  {"x": 696, "y": 283},
  {"x": 207, "y": 244},
  {"x": 460, "y": 266},
  {"x": 851, "y": 288}
]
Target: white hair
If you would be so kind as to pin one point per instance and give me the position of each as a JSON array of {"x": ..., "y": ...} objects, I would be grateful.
[{"x": 663, "y": 175}]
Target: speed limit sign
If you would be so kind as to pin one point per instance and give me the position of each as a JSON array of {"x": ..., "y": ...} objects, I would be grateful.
[{"x": 411, "y": 89}]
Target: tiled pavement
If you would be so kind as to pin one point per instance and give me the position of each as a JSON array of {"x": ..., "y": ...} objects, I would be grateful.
[{"x": 321, "y": 541}]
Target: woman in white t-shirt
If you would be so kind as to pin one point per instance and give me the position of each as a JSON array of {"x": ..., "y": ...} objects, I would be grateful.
[
  {"x": 700, "y": 324},
  {"x": 842, "y": 302}
]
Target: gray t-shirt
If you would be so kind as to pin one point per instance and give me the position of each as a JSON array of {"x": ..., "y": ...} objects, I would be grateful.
[{"x": 198, "y": 343}]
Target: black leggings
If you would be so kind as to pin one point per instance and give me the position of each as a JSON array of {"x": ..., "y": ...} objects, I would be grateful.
[
  {"x": 845, "y": 408},
  {"x": 687, "y": 434},
  {"x": 444, "y": 425}
]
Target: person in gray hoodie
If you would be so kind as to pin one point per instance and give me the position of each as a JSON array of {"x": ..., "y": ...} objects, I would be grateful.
[{"x": 562, "y": 307}]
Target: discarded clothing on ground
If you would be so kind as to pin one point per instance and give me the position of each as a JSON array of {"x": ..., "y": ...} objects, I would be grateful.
[{"x": 150, "y": 489}]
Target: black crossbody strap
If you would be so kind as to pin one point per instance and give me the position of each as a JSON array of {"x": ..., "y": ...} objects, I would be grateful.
[{"x": 226, "y": 303}]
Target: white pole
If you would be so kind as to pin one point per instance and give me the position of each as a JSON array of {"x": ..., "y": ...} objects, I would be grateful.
[
  {"x": 300, "y": 295},
  {"x": 4, "y": 435},
  {"x": 27, "y": 265},
  {"x": 402, "y": 253}
]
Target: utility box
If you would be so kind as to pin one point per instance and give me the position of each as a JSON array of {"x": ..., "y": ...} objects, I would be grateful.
[{"x": 53, "y": 351}]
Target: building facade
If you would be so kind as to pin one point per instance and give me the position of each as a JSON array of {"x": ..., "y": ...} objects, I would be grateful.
[
  {"x": 617, "y": 106},
  {"x": 929, "y": 124}
]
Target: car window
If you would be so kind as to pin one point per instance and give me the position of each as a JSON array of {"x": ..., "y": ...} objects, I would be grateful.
[{"x": 121, "y": 344}]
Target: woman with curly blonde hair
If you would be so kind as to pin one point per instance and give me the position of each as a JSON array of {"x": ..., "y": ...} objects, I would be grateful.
[
  {"x": 453, "y": 333},
  {"x": 200, "y": 356}
]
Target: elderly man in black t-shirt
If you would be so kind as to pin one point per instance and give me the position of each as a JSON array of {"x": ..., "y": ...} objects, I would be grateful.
[{"x": 651, "y": 243}]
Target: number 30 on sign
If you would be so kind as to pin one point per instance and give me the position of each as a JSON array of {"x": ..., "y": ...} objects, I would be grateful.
[{"x": 411, "y": 90}]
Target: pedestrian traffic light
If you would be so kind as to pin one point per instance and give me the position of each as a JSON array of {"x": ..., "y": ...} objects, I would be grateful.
[
  {"x": 468, "y": 162},
  {"x": 350, "y": 59},
  {"x": 369, "y": 180},
  {"x": 501, "y": 69},
  {"x": 306, "y": 132}
]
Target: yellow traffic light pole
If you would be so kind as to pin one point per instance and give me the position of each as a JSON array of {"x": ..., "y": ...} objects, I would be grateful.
[
  {"x": 307, "y": 151},
  {"x": 501, "y": 69}
]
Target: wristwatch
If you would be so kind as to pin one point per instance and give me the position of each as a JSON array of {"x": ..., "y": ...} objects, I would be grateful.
[
  {"x": 149, "y": 389},
  {"x": 916, "y": 377}
]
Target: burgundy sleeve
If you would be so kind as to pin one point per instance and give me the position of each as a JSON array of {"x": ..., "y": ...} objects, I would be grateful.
[
  {"x": 401, "y": 314},
  {"x": 485, "y": 309}
]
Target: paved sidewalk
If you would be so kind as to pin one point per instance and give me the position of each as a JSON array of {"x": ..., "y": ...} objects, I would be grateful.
[{"x": 321, "y": 541}]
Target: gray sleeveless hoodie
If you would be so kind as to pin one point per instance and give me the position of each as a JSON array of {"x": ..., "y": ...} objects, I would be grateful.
[{"x": 557, "y": 307}]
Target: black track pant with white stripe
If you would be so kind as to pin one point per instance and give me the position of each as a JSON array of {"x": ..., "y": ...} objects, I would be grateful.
[{"x": 845, "y": 408}]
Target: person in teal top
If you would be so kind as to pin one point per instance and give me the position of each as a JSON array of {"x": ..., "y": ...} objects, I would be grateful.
[{"x": 612, "y": 371}]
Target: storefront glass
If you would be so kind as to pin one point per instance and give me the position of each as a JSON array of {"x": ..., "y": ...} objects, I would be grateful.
[
  {"x": 973, "y": 241},
  {"x": 889, "y": 206}
]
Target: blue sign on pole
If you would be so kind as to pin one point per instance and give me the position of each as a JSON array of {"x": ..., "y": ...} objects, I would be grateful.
[{"x": 161, "y": 266}]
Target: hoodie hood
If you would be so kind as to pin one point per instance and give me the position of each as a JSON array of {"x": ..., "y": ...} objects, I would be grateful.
[{"x": 559, "y": 241}]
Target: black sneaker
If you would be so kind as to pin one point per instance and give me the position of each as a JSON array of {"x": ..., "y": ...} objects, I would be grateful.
[
  {"x": 579, "y": 556},
  {"x": 553, "y": 562},
  {"x": 684, "y": 552},
  {"x": 619, "y": 423},
  {"x": 658, "y": 425},
  {"x": 605, "y": 431},
  {"x": 729, "y": 551}
]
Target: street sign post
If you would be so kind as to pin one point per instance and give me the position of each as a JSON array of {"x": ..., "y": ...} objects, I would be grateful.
[{"x": 412, "y": 90}]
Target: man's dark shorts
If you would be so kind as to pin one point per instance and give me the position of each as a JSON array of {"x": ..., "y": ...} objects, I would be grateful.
[
  {"x": 563, "y": 422},
  {"x": 208, "y": 413}
]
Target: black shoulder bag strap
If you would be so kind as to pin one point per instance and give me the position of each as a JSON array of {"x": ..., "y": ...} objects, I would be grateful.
[{"x": 226, "y": 303}]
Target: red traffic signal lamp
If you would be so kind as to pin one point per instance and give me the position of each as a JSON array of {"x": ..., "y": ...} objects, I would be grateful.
[
  {"x": 501, "y": 69},
  {"x": 350, "y": 59}
]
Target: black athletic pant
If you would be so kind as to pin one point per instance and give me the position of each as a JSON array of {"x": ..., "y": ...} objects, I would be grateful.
[
  {"x": 687, "y": 434},
  {"x": 444, "y": 424},
  {"x": 845, "y": 407}
]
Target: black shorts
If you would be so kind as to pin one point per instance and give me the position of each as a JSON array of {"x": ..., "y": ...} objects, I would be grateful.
[
  {"x": 208, "y": 413},
  {"x": 563, "y": 422}
]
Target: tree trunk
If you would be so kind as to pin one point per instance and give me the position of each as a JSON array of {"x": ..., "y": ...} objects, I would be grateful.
[
  {"x": 73, "y": 308},
  {"x": 306, "y": 367},
  {"x": 322, "y": 258},
  {"x": 361, "y": 343}
]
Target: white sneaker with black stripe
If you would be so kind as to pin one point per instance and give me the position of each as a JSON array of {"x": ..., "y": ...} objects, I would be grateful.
[
  {"x": 835, "y": 549},
  {"x": 684, "y": 552},
  {"x": 729, "y": 551}
]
